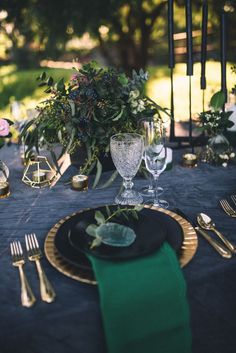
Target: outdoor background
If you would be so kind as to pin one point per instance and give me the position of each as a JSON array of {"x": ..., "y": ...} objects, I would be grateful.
[{"x": 44, "y": 35}]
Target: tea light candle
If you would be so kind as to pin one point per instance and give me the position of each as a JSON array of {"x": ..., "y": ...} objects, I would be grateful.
[
  {"x": 79, "y": 182},
  {"x": 39, "y": 176},
  {"x": 4, "y": 190},
  {"x": 189, "y": 160}
]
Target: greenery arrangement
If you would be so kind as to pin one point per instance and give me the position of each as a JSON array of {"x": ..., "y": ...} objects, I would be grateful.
[
  {"x": 215, "y": 121},
  {"x": 99, "y": 232},
  {"x": 96, "y": 104}
]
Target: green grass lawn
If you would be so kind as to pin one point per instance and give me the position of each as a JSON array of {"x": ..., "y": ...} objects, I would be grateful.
[{"x": 22, "y": 86}]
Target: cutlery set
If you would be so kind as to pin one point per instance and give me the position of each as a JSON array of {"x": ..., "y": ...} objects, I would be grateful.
[
  {"x": 34, "y": 254},
  {"x": 205, "y": 223}
]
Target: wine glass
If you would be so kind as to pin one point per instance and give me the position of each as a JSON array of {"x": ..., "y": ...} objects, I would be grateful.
[
  {"x": 148, "y": 190},
  {"x": 155, "y": 156},
  {"x": 126, "y": 152}
]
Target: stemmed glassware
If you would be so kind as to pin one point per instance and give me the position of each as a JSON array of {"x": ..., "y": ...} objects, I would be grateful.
[
  {"x": 148, "y": 190},
  {"x": 155, "y": 156},
  {"x": 126, "y": 152}
]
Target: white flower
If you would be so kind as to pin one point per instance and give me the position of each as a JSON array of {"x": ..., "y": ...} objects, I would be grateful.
[
  {"x": 224, "y": 164},
  {"x": 232, "y": 155},
  {"x": 133, "y": 94},
  {"x": 226, "y": 156},
  {"x": 141, "y": 106}
]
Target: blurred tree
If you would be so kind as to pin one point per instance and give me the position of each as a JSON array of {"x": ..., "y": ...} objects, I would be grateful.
[{"x": 126, "y": 30}]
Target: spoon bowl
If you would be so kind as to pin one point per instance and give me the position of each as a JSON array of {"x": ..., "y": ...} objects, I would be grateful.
[{"x": 206, "y": 222}]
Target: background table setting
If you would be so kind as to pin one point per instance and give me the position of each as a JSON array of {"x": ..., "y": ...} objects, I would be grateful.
[{"x": 73, "y": 321}]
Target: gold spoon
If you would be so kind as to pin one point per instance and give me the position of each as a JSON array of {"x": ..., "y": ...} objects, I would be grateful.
[{"x": 206, "y": 223}]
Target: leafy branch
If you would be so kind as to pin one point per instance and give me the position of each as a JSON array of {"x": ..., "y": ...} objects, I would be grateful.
[{"x": 94, "y": 230}]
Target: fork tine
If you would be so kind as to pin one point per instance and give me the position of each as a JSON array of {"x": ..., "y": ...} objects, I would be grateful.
[
  {"x": 15, "y": 248},
  {"x": 33, "y": 240},
  {"x": 227, "y": 208},
  {"x": 230, "y": 208},
  {"x": 233, "y": 197},
  {"x": 30, "y": 242},
  {"x": 20, "y": 248},
  {"x": 36, "y": 240},
  {"x": 12, "y": 250},
  {"x": 27, "y": 242},
  {"x": 223, "y": 206}
]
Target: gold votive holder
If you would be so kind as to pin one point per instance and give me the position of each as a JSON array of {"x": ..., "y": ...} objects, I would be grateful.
[
  {"x": 4, "y": 190},
  {"x": 189, "y": 160},
  {"x": 79, "y": 182}
]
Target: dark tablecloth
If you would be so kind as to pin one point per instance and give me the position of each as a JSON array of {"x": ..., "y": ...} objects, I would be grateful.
[{"x": 73, "y": 323}]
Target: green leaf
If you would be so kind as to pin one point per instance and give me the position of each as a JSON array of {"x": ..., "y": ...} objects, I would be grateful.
[
  {"x": 134, "y": 214},
  {"x": 48, "y": 90},
  {"x": 42, "y": 76},
  {"x": 60, "y": 86},
  {"x": 91, "y": 230},
  {"x": 108, "y": 211},
  {"x": 97, "y": 242},
  {"x": 110, "y": 180},
  {"x": 99, "y": 217},
  {"x": 98, "y": 174},
  {"x": 123, "y": 80},
  {"x": 115, "y": 234},
  {"x": 50, "y": 81},
  {"x": 117, "y": 117},
  {"x": 217, "y": 100},
  {"x": 41, "y": 84}
]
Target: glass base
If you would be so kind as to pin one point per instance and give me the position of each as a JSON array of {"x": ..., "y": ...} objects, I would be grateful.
[
  {"x": 161, "y": 203},
  {"x": 129, "y": 197},
  {"x": 148, "y": 192}
]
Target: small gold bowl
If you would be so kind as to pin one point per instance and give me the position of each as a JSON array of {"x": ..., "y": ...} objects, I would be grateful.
[
  {"x": 79, "y": 182},
  {"x": 4, "y": 190},
  {"x": 189, "y": 160}
]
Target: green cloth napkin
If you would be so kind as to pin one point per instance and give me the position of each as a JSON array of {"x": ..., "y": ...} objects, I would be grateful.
[{"x": 143, "y": 303}]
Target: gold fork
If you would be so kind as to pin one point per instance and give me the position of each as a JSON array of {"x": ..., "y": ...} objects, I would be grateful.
[
  {"x": 227, "y": 208},
  {"x": 27, "y": 296},
  {"x": 233, "y": 197},
  {"x": 34, "y": 254}
]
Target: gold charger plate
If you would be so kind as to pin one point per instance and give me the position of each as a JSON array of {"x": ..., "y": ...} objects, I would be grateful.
[{"x": 187, "y": 251}]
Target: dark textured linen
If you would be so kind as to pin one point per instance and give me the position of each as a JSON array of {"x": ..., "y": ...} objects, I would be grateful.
[{"x": 73, "y": 323}]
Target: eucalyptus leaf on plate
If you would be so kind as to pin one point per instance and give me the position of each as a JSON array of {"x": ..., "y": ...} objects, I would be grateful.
[{"x": 115, "y": 234}]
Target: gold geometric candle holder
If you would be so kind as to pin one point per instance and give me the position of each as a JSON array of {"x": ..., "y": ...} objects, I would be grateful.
[
  {"x": 4, "y": 183},
  {"x": 38, "y": 173}
]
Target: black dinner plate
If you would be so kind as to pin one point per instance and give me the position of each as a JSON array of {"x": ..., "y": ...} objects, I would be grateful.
[{"x": 152, "y": 229}]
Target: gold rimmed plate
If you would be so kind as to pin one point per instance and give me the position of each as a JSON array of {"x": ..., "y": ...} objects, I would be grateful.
[{"x": 186, "y": 253}]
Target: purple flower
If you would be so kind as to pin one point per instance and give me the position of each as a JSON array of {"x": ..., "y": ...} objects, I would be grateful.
[{"x": 4, "y": 128}]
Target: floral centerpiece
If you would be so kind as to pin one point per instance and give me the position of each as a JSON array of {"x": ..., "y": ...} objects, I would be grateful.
[
  {"x": 215, "y": 122},
  {"x": 96, "y": 104}
]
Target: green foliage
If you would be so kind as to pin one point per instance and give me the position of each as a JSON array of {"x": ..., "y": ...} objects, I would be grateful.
[
  {"x": 96, "y": 104},
  {"x": 98, "y": 230},
  {"x": 215, "y": 121},
  {"x": 217, "y": 100}
]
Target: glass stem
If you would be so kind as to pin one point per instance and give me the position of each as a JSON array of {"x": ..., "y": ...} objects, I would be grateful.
[
  {"x": 150, "y": 186},
  {"x": 128, "y": 184},
  {"x": 156, "y": 199}
]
